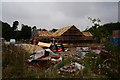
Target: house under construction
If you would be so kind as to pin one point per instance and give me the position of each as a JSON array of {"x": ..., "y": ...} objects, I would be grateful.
[{"x": 69, "y": 34}]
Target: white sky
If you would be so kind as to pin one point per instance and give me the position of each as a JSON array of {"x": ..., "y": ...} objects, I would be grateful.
[
  {"x": 59, "y": 0},
  {"x": 58, "y": 14}
]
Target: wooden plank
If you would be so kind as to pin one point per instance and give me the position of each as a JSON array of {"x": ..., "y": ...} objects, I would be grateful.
[{"x": 42, "y": 44}]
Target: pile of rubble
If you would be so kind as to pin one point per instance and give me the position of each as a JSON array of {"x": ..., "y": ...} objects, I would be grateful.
[
  {"x": 72, "y": 68},
  {"x": 44, "y": 55},
  {"x": 82, "y": 51}
]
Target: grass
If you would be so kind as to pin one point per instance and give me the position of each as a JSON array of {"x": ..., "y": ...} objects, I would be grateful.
[
  {"x": 108, "y": 62},
  {"x": 14, "y": 65},
  {"x": 12, "y": 61}
]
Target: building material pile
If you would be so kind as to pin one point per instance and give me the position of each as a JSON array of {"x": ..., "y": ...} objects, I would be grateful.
[
  {"x": 72, "y": 68},
  {"x": 82, "y": 51},
  {"x": 45, "y": 55}
]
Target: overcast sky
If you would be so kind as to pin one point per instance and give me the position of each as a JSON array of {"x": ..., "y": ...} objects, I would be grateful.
[{"x": 59, "y": 14}]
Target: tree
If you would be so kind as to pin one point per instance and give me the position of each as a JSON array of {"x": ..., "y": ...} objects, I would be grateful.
[
  {"x": 34, "y": 28},
  {"x": 53, "y": 30},
  {"x": 15, "y": 24},
  {"x": 102, "y": 31},
  {"x": 6, "y": 31},
  {"x": 94, "y": 29},
  {"x": 95, "y": 22},
  {"x": 25, "y": 32}
]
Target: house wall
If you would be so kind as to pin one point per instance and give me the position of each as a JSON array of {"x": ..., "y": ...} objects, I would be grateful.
[{"x": 73, "y": 35}]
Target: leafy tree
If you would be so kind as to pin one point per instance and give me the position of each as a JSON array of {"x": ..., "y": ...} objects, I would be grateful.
[
  {"x": 9, "y": 32},
  {"x": 6, "y": 31},
  {"x": 15, "y": 34},
  {"x": 102, "y": 31},
  {"x": 34, "y": 28},
  {"x": 95, "y": 22},
  {"x": 53, "y": 30},
  {"x": 15, "y": 24},
  {"x": 25, "y": 32}
]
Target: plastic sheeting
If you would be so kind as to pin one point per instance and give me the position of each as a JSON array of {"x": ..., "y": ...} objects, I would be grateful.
[
  {"x": 115, "y": 41},
  {"x": 81, "y": 54}
]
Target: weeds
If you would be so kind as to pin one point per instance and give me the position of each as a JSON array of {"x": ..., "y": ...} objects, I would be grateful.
[
  {"x": 13, "y": 61},
  {"x": 105, "y": 64}
]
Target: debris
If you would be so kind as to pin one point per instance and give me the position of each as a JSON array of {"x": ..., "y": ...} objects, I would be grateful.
[
  {"x": 81, "y": 54},
  {"x": 54, "y": 60},
  {"x": 82, "y": 48},
  {"x": 45, "y": 54},
  {"x": 79, "y": 66},
  {"x": 82, "y": 51},
  {"x": 96, "y": 51},
  {"x": 12, "y": 41},
  {"x": 38, "y": 54},
  {"x": 67, "y": 49},
  {"x": 71, "y": 68}
]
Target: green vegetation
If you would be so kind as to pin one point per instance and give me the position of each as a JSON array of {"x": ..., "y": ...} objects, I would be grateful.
[
  {"x": 105, "y": 64},
  {"x": 9, "y": 32},
  {"x": 14, "y": 65},
  {"x": 12, "y": 62},
  {"x": 25, "y": 32},
  {"x": 102, "y": 31},
  {"x": 113, "y": 61}
]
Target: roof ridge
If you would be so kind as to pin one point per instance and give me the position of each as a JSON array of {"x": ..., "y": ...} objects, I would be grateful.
[
  {"x": 44, "y": 33},
  {"x": 61, "y": 31}
]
